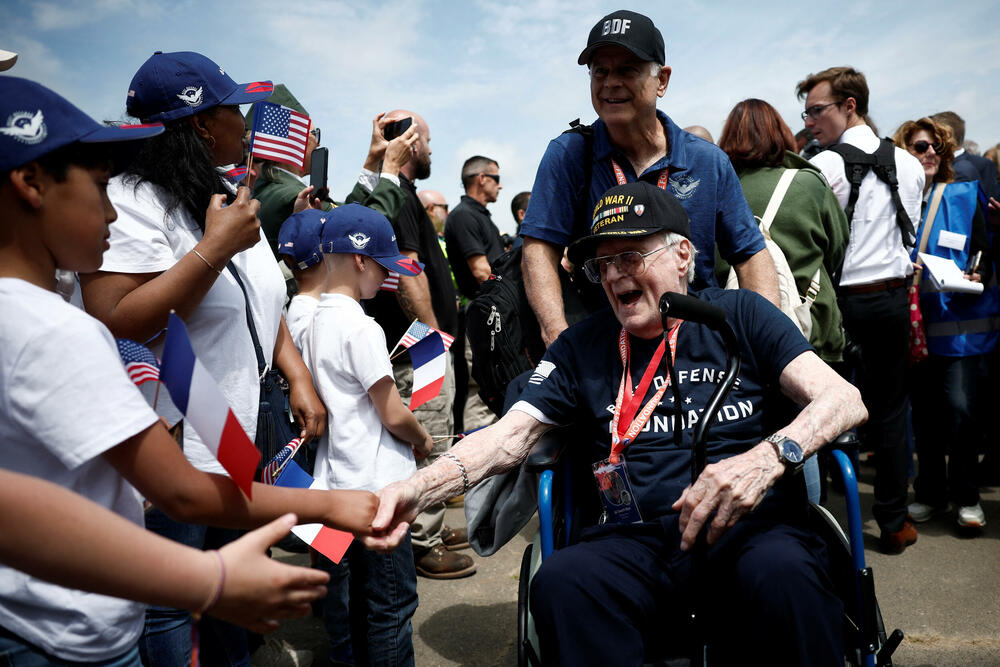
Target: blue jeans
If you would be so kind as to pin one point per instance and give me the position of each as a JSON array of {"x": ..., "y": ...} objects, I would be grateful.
[
  {"x": 370, "y": 601},
  {"x": 15, "y": 652},
  {"x": 166, "y": 639}
]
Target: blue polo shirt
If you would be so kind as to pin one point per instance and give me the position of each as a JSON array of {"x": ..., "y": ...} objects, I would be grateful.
[
  {"x": 701, "y": 178},
  {"x": 577, "y": 383}
]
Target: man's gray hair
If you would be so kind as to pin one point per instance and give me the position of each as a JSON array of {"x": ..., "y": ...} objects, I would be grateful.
[
  {"x": 672, "y": 239},
  {"x": 475, "y": 165},
  {"x": 654, "y": 68}
]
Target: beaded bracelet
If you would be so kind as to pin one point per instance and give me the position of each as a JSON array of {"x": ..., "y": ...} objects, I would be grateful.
[
  {"x": 461, "y": 468},
  {"x": 207, "y": 263},
  {"x": 217, "y": 593}
]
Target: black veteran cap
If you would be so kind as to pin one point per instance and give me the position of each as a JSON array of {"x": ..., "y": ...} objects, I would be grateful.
[
  {"x": 628, "y": 30},
  {"x": 633, "y": 209}
]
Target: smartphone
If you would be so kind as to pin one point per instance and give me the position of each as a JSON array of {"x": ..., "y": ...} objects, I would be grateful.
[
  {"x": 317, "y": 174},
  {"x": 396, "y": 128},
  {"x": 973, "y": 265}
]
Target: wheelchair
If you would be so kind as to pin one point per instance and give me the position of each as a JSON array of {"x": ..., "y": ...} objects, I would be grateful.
[{"x": 561, "y": 516}]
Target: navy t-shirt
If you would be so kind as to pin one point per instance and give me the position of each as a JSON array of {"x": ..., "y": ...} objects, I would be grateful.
[
  {"x": 577, "y": 383},
  {"x": 701, "y": 178}
]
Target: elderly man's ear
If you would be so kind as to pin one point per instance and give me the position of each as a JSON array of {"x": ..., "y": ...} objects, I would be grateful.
[{"x": 683, "y": 255}]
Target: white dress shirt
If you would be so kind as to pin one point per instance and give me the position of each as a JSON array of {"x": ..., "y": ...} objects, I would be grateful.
[{"x": 875, "y": 251}]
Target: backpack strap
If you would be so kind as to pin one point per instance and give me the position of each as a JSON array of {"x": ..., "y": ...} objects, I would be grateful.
[
  {"x": 776, "y": 198},
  {"x": 581, "y": 210},
  {"x": 885, "y": 169},
  {"x": 856, "y": 166}
]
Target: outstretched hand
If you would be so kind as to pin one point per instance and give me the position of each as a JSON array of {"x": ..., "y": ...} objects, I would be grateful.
[
  {"x": 258, "y": 590},
  {"x": 729, "y": 489},
  {"x": 398, "y": 507}
]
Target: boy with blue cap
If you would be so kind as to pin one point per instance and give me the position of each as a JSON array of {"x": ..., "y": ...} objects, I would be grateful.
[
  {"x": 299, "y": 248},
  {"x": 371, "y": 438}
]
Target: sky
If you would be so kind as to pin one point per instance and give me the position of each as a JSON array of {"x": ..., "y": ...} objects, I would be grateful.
[{"x": 500, "y": 78}]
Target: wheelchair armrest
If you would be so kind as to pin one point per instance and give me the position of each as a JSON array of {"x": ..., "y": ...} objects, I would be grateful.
[
  {"x": 847, "y": 442},
  {"x": 547, "y": 452}
]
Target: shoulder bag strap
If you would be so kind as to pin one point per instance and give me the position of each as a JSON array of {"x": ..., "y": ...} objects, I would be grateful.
[
  {"x": 776, "y": 198},
  {"x": 261, "y": 364},
  {"x": 928, "y": 223}
]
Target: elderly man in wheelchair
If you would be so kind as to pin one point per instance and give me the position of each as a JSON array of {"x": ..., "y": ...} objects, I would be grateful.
[{"x": 626, "y": 585}]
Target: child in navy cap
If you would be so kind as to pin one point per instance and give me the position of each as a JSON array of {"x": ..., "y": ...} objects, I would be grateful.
[
  {"x": 372, "y": 437},
  {"x": 299, "y": 247},
  {"x": 71, "y": 414}
]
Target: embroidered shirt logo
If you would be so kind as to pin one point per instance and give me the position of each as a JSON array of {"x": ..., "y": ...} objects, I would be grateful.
[
  {"x": 684, "y": 186},
  {"x": 191, "y": 96},
  {"x": 26, "y": 127},
  {"x": 541, "y": 372},
  {"x": 359, "y": 240}
]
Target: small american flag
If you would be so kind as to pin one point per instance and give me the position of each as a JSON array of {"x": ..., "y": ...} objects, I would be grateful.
[
  {"x": 391, "y": 284},
  {"x": 279, "y": 134},
  {"x": 274, "y": 467},
  {"x": 418, "y": 331},
  {"x": 140, "y": 364}
]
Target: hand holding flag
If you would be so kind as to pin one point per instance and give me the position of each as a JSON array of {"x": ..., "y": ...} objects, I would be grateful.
[{"x": 331, "y": 543}]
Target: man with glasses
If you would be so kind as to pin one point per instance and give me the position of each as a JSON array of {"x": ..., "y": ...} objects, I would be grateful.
[
  {"x": 473, "y": 238},
  {"x": 873, "y": 282},
  {"x": 632, "y": 141},
  {"x": 623, "y": 589}
]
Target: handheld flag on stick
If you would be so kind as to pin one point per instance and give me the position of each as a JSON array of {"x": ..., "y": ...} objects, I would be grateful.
[
  {"x": 140, "y": 364},
  {"x": 429, "y": 366},
  {"x": 274, "y": 467},
  {"x": 199, "y": 399},
  {"x": 417, "y": 332},
  {"x": 329, "y": 542},
  {"x": 279, "y": 134}
]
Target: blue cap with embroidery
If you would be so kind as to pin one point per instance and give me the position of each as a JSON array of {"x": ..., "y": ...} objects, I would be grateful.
[
  {"x": 174, "y": 85},
  {"x": 34, "y": 121},
  {"x": 358, "y": 229},
  {"x": 299, "y": 237}
]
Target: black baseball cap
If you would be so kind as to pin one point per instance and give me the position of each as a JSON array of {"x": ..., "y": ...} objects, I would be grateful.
[
  {"x": 630, "y": 210},
  {"x": 628, "y": 30}
]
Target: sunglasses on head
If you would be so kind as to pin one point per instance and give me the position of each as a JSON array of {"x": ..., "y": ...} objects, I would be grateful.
[{"x": 922, "y": 146}]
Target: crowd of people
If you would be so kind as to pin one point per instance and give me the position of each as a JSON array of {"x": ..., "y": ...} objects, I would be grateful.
[{"x": 832, "y": 289}]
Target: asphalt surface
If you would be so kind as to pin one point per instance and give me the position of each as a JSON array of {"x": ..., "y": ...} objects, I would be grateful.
[{"x": 943, "y": 592}]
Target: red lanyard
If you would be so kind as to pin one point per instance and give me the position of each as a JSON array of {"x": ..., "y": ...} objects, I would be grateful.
[
  {"x": 661, "y": 182},
  {"x": 628, "y": 402}
]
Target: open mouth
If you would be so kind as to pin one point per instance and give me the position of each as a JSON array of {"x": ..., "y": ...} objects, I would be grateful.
[
  {"x": 615, "y": 100},
  {"x": 630, "y": 297}
]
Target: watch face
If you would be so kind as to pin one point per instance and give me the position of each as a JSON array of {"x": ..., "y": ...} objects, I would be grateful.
[{"x": 790, "y": 451}]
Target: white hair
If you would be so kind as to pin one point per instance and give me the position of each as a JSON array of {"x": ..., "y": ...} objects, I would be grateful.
[
  {"x": 654, "y": 68},
  {"x": 673, "y": 238}
]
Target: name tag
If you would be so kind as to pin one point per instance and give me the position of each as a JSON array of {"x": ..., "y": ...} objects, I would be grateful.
[
  {"x": 620, "y": 505},
  {"x": 951, "y": 240}
]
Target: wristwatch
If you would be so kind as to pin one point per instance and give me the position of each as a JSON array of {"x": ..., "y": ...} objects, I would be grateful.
[{"x": 789, "y": 452}]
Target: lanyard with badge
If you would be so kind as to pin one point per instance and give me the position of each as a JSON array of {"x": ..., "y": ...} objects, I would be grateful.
[
  {"x": 661, "y": 182},
  {"x": 620, "y": 504}
]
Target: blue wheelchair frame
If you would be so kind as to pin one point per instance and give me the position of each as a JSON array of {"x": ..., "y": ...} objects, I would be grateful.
[{"x": 866, "y": 641}]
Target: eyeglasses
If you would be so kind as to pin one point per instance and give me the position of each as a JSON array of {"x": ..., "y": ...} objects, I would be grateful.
[
  {"x": 631, "y": 263},
  {"x": 816, "y": 110},
  {"x": 495, "y": 177},
  {"x": 315, "y": 133},
  {"x": 920, "y": 147},
  {"x": 624, "y": 72}
]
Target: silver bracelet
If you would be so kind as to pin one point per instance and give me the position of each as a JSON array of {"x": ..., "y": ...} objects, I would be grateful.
[
  {"x": 461, "y": 468},
  {"x": 207, "y": 263}
]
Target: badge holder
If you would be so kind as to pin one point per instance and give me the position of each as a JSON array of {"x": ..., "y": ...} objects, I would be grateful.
[{"x": 620, "y": 505}]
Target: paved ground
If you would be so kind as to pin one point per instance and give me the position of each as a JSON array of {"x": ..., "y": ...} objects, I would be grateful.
[{"x": 944, "y": 593}]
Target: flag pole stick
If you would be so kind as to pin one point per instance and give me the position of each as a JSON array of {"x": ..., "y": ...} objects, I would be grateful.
[
  {"x": 156, "y": 395},
  {"x": 400, "y": 342}
]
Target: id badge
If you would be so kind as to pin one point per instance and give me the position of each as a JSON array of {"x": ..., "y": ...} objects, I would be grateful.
[{"x": 619, "y": 500}]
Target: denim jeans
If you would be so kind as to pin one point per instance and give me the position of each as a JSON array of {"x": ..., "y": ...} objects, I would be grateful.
[
  {"x": 166, "y": 639},
  {"x": 369, "y": 605},
  {"x": 15, "y": 652}
]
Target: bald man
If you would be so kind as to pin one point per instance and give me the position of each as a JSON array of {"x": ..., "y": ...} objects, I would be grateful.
[
  {"x": 699, "y": 131},
  {"x": 437, "y": 208},
  {"x": 430, "y": 298}
]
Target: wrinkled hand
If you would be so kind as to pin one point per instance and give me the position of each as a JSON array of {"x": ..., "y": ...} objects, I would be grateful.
[
  {"x": 398, "y": 507},
  {"x": 421, "y": 450},
  {"x": 230, "y": 229},
  {"x": 308, "y": 410},
  {"x": 730, "y": 488},
  {"x": 304, "y": 201},
  {"x": 353, "y": 511},
  {"x": 258, "y": 590},
  {"x": 400, "y": 150}
]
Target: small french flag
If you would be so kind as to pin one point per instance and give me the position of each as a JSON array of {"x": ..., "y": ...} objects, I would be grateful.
[
  {"x": 196, "y": 394},
  {"x": 329, "y": 542},
  {"x": 429, "y": 364}
]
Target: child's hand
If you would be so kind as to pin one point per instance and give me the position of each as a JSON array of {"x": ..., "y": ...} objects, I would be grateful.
[
  {"x": 352, "y": 511},
  {"x": 421, "y": 450}
]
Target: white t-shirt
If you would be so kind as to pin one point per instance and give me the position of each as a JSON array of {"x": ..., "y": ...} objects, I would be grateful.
[
  {"x": 299, "y": 320},
  {"x": 348, "y": 357},
  {"x": 147, "y": 239},
  {"x": 64, "y": 400},
  {"x": 875, "y": 250}
]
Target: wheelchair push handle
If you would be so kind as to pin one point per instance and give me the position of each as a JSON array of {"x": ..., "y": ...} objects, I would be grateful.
[{"x": 684, "y": 307}]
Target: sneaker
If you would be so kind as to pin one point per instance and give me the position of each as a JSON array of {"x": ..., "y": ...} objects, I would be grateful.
[
  {"x": 439, "y": 563},
  {"x": 896, "y": 543},
  {"x": 921, "y": 512},
  {"x": 454, "y": 539},
  {"x": 971, "y": 516}
]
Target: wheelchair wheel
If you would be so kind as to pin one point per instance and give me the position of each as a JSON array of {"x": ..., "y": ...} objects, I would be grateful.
[{"x": 525, "y": 653}]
